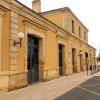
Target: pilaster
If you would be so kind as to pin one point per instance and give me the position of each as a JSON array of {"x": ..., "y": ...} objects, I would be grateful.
[
  {"x": 1, "y": 26},
  {"x": 84, "y": 62},
  {"x": 78, "y": 60},
  {"x": 13, "y": 36},
  {"x": 70, "y": 67}
]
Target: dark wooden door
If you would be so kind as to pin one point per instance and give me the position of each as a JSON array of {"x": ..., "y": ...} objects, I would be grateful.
[
  {"x": 73, "y": 60},
  {"x": 33, "y": 59},
  {"x": 60, "y": 60}
]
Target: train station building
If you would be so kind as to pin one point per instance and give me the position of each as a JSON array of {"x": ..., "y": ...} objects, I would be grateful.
[{"x": 40, "y": 46}]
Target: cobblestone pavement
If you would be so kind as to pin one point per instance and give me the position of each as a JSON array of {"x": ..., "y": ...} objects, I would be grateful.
[{"x": 48, "y": 90}]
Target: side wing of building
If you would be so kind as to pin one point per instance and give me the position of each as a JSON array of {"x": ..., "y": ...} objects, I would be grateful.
[{"x": 66, "y": 19}]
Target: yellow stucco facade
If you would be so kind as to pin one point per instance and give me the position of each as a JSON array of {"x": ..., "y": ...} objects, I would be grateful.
[{"x": 53, "y": 30}]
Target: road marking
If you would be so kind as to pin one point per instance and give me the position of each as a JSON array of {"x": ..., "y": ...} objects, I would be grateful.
[
  {"x": 88, "y": 90},
  {"x": 91, "y": 85}
]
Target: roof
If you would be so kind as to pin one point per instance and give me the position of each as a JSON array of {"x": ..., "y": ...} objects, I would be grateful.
[
  {"x": 56, "y": 10},
  {"x": 61, "y": 10}
]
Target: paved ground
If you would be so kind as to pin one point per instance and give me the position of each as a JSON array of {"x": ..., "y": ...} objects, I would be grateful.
[
  {"x": 89, "y": 90},
  {"x": 52, "y": 89}
]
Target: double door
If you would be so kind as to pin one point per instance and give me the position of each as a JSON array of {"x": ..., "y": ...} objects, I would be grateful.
[
  {"x": 33, "y": 59},
  {"x": 60, "y": 60},
  {"x": 74, "y": 60}
]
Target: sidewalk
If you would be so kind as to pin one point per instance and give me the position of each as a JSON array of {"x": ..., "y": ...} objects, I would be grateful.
[{"x": 48, "y": 90}]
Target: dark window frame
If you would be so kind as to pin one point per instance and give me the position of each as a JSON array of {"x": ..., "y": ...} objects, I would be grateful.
[
  {"x": 80, "y": 32},
  {"x": 73, "y": 26},
  {"x": 85, "y": 36}
]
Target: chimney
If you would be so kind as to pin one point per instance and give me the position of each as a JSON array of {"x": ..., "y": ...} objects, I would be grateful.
[{"x": 36, "y": 6}]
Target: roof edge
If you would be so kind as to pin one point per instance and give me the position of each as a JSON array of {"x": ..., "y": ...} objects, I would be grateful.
[{"x": 64, "y": 9}]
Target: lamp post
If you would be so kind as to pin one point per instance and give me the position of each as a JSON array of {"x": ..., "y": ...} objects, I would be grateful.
[{"x": 20, "y": 37}]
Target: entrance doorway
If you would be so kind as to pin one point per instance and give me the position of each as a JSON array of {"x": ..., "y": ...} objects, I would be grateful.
[
  {"x": 60, "y": 60},
  {"x": 33, "y": 59},
  {"x": 74, "y": 60},
  {"x": 86, "y": 60}
]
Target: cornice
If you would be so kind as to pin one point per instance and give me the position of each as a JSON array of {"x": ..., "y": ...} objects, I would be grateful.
[
  {"x": 34, "y": 23},
  {"x": 5, "y": 4}
]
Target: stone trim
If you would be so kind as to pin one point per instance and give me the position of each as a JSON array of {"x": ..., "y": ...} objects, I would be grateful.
[
  {"x": 49, "y": 74},
  {"x": 5, "y": 73},
  {"x": 40, "y": 35},
  {"x": 13, "y": 36}
]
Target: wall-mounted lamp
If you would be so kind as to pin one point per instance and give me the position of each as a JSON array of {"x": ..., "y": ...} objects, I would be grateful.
[{"x": 20, "y": 37}]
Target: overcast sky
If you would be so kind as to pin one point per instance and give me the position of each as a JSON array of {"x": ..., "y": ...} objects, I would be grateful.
[{"x": 86, "y": 10}]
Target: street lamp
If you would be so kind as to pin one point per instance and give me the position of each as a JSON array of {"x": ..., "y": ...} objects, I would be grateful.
[{"x": 20, "y": 37}]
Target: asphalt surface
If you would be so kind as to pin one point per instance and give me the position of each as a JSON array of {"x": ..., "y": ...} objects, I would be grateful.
[{"x": 89, "y": 90}]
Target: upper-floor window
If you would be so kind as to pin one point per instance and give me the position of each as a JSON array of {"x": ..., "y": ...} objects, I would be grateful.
[
  {"x": 85, "y": 36},
  {"x": 73, "y": 26},
  {"x": 79, "y": 32}
]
